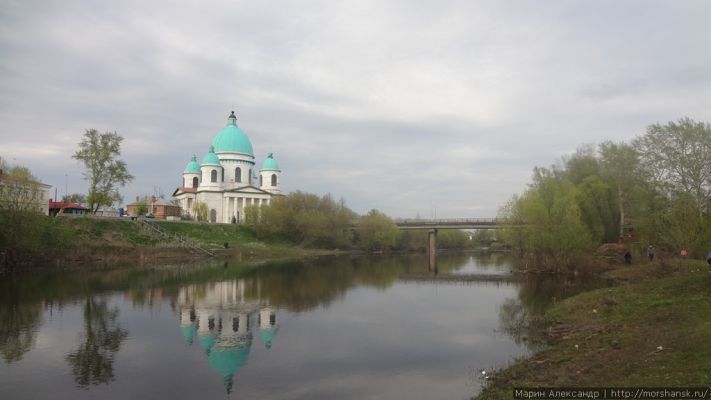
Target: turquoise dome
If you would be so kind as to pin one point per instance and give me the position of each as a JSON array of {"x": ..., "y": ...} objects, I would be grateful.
[
  {"x": 268, "y": 336},
  {"x": 207, "y": 341},
  {"x": 188, "y": 333},
  {"x": 193, "y": 167},
  {"x": 211, "y": 158},
  {"x": 270, "y": 163},
  {"x": 231, "y": 139},
  {"x": 226, "y": 361}
]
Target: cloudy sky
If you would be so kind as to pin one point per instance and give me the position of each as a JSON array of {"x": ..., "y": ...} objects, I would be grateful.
[{"x": 410, "y": 107}]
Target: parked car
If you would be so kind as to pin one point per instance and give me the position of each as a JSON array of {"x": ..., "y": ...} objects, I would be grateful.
[{"x": 150, "y": 215}]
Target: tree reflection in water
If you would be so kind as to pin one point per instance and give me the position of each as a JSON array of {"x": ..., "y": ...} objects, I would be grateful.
[
  {"x": 18, "y": 327},
  {"x": 93, "y": 362},
  {"x": 522, "y": 318}
]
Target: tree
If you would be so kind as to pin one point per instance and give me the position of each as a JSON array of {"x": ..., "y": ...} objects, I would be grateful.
[
  {"x": 105, "y": 171},
  {"x": 141, "y": 208},
  {"x": 677, "y": 202},
  {"x": 677, "y": 157},
  {"x": 376, "y": 231},
  {"x": 202, "y": 212},
  {"x": 305, "y": 219}
]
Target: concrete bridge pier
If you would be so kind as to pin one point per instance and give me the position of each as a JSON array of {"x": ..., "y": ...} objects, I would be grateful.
[{"x": 432, "y": 248}]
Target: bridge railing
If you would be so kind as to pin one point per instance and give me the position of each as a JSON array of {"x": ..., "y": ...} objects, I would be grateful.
[{"x": 449, "y": 221}]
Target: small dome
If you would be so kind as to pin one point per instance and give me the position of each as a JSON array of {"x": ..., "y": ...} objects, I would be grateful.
[
  {"x": 211, "y": 158},
  {"x": 193, "y": 167},
  {"x": 270, "y": 163},
  {"x": 268, "y": 337},
  {"x": 188, "y": 333},
  {"x": 231, "y": 139}
]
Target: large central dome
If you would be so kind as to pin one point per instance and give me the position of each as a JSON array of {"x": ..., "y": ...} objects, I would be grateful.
[{"x": 231, "y": 139}]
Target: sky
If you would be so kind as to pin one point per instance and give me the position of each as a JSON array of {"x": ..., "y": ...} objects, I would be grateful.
[{"x": 415, "y": 108}]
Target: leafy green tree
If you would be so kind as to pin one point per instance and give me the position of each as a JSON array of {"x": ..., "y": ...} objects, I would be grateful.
[
  {"x": 141, "y": 208},
  {"x": 106, "y": 173},
  {"x": 677, "y": 199},
  {"x": 304, "y": 218},
  {"x": 25, "y": 231},
  {"x": 553, "y": 232},
  {"x": 376, "y": 231},
  {"x": 202, "y": 213},
  {"x": 677, "y": 157}
]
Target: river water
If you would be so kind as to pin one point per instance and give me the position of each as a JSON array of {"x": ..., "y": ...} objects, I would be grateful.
[{"x": 346, "y": 327}]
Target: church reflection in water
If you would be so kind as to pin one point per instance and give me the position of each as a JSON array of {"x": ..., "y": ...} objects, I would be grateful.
[{"x": 221, "y": 319}]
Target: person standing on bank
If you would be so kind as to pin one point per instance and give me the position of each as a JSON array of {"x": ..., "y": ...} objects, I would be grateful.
[
  {"x": 650, "y": 252},
  {"x": 683, "y": 252}
]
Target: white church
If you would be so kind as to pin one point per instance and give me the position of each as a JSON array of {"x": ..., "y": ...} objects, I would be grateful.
[{"x": 226, "y": 180}]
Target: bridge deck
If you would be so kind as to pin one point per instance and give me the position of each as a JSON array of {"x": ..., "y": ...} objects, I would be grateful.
[{"x": 453, "y": 223}]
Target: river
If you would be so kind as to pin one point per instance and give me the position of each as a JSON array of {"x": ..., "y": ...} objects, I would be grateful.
[{"x": 342, "y": 327}]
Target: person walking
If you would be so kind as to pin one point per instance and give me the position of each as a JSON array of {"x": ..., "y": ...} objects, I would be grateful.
[{"x": 650, "y": 252}]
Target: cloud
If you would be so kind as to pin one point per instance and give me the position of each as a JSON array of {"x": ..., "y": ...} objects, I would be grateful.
[{"x": 398, "y": 106}]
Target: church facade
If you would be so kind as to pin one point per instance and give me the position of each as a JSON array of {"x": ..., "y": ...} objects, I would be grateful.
[{"x": 227, "y": 180}]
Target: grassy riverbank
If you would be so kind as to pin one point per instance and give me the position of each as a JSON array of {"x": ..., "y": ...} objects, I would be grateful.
[
  {"x": 652, "y": 329},
  {"x": 88, "y": 241}
]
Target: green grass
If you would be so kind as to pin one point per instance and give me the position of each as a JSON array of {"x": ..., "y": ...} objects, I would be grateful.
[
  {"x": 656, "y": 332},
  {"x": 114, "y": 231},
  {"x": 210, "y": 234}
]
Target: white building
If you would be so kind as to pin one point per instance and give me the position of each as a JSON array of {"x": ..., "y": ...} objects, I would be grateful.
[{"x": 226, "y": 180}]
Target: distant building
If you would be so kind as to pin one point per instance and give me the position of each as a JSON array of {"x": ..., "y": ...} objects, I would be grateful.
[
  {"x": 226, "y": 180},
  {"x": 23, "y": 194},
  {"x": 66, "y": 207},
  {"x": 159, "y": 207}
]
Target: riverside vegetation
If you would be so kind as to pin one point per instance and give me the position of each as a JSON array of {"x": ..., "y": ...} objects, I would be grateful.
[
  {"x": 297, "y": 225},
  {"x": 650, "y": 327}
]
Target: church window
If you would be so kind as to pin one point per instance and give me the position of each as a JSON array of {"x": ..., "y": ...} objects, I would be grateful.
[
  {"x": 238, "y": 174},
  {"x": 261, "y": 180},
  {"x": 274, "y": 180},
  {"x": 213, "y": 176},
  {"x": 250, "y": 176},
  {"x": 195, "y": 182},
  {"x": 223, "y": 175}
]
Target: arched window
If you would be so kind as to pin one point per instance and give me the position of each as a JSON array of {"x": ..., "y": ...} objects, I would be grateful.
[
  {"x": 274, "y": 180},
  {"x": 213, "y": 176},
  {"x": 223, "y": 174},
  {"x": 195, "y": 182},
  {"x": 250, "y": 176},
  {"x": 213, "y": 214},
  {"x": 261, "y": 180},
  {"x": 238, "y": 174}
]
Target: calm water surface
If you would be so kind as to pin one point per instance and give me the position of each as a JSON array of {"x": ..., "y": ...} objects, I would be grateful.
[{"x": 346, "y": 328}]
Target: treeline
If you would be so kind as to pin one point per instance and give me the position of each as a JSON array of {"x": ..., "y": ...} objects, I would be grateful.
[
  {"x": 654, "y": 190},
  {"x": 25, "y": 232},
  {"x": 309, "y": 220}
]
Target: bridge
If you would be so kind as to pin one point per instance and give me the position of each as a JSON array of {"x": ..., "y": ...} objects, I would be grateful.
[
  {"x": 452, "y": 223},
  {"x": 432, "y": 225}
]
